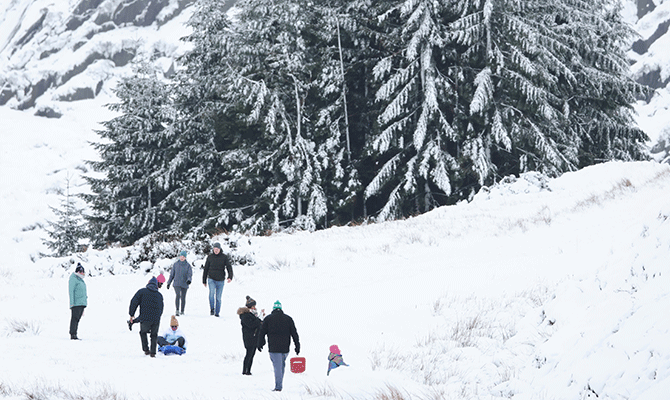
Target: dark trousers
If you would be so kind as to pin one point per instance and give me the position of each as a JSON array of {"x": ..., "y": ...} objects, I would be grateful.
[
  {"x": 151, "y": 329},
  {"x": 164, "y": 342},
  {"x": 77, "y": 312},
  {"x": 180, "y": 293},
  {"x": 248, "y": 360}
]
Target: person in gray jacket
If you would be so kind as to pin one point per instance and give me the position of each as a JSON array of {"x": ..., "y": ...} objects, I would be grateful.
[
  {"x": 78, "y": 299},
  {"x": 180, "y": 277}
]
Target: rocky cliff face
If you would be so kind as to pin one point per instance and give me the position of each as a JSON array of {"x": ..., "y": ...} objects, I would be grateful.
[
  {"x": 652, "y": 24},
  {"x": 650, "y": 65},
  {"x": 63, "y": 51}
]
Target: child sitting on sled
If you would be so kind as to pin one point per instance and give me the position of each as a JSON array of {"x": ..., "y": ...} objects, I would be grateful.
[
  {"x": 335, "y": 358},
  {"x": 173, "y": 340}
]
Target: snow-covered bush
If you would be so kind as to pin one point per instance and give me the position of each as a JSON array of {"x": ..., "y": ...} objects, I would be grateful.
[{"x": 154, "y": 254}]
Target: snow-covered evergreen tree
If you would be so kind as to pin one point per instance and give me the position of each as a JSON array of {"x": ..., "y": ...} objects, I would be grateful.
[
  {"x": 263, "y": 98},
  {"x": 277, "y": 67},
  {"x": 67, "y": 232},
  {"x": 127, "y": 201},
  {"x": 304, "y": 114},
  {"x": 417, "y": 140},
  {"x": 546, "y": 85},
  {"x": 210, "y": 149},
  {"x": 343, "y": 105},
  {"x": 478, "y": 89}
]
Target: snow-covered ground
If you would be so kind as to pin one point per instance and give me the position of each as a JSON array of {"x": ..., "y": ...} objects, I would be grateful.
[{"x": 537, "y": 289}]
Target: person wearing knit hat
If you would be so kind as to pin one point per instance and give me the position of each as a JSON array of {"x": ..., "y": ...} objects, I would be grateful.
[
  {"x": 251, "y": 323},
  {"x": 78, "y": 299},
  {"x": 180, "y": 277},
  {"x": 160, "y": 279},
  {"x": 335, "y": 359},
  {"x": 150, "y": 302},
  {"x": 173, "y": 335},
  {"x": 280, "y": 329},
  {"x": 214, "y": 276}
]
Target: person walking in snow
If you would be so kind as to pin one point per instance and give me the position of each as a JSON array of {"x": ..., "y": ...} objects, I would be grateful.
[
  {"x": 251, "y": 324},
  {"x": 180, "y": 277},
  {"x": 150, "y": 302},
  {"x": 214, "y": 275},
  {"x": 173, "y": 335},
  {"x": 279, "y": 329},
  {"x": 78, "y": 299}
]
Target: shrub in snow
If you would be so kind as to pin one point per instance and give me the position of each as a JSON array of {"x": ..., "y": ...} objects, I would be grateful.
[
  {"x": 529, "y": 182},
  {"x": 153, "y": 254},
  {"x": 20, "y": 326}
]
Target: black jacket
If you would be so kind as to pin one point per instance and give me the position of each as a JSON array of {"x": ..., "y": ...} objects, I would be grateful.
[
  {"x": 216, "y": 266},
  {"x": 150, "y": 302},
  {"x": 251, "y": 324},
  {"x": 279, "y": 328}
]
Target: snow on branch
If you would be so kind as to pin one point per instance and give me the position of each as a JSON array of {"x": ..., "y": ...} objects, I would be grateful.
[
  {"x": 385, "y": 173},
  {"x": 483, "y": 91}
]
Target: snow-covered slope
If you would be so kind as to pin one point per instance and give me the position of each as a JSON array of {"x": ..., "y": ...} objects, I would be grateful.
[{"x": 537, "y": 289}]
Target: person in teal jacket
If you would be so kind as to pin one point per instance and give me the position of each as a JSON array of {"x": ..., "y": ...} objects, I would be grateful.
[{"x": 78, "y": 299}]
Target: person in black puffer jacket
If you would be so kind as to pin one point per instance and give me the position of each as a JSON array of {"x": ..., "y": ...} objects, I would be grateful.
[
  {"x": 251, "y": 324},
  {"x": 214, "y": 275},
  {"x": 150, "y": 302},
  {"x": 279, "y": 328}
]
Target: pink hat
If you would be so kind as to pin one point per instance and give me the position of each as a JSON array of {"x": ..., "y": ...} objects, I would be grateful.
[
  {"x": 334, "y": 349},
  {"x": 160, "y": 278}
]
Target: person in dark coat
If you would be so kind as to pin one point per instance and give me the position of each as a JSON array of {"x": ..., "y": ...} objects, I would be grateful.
[
  {"x": 78, "y": 299},
  {"x": 150, "y": 302},
  {"x": 279, "y": 329},
  {"x": 180, "y": 277},
  {"x": 251, "y": 324},
  {"x": 214, "y": 275}
]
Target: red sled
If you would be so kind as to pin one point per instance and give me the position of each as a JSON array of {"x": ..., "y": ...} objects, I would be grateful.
[{"x": 297, "y": 365}]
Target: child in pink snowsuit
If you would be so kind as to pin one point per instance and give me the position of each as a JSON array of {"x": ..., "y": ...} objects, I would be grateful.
[{"x": 335, "y": 358}]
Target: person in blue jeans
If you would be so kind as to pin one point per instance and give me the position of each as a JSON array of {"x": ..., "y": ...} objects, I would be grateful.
[
  {"x": 279, "y": 329},
  {"x": 214, "y": 275}
]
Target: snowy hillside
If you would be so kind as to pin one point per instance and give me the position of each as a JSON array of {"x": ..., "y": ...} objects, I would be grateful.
[{"x": 537, "y": 289}]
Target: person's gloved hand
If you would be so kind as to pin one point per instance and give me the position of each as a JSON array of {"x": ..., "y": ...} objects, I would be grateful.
[
  {"x": 168, "y": 286},
  {"x": 260, "y": 348},
  {"x": 297, "y": 350},
  {"x": 187, "y": 282}
]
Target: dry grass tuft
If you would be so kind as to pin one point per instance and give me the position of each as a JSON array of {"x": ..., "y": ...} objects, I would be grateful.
[{"x": 20, "y": 326}]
